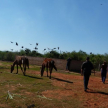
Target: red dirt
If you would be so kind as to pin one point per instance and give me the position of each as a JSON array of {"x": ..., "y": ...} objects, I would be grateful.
[{"x": 72, "y": 86}]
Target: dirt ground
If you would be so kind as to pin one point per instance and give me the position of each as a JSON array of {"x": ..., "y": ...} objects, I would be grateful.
[{"x": 72, "y": 86}]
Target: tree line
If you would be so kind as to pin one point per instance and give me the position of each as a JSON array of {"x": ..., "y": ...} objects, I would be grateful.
[{"x": 96, "y": 59}]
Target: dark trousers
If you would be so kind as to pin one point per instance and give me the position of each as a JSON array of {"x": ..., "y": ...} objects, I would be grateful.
[
  {"x": 103, "y": 76},
  {"x": 86, "y": 80},
  {"x": 67, "y": 67}
]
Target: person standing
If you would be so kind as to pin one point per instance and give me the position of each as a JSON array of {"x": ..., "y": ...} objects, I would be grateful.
[
  {"x": 68, "y": 64},
  {"x": 104, "y": 71},
  {"x": 86, "y": 68}
]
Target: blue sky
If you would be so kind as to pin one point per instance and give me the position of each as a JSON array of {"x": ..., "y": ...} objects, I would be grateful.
[{"x": 72, "y": 25}]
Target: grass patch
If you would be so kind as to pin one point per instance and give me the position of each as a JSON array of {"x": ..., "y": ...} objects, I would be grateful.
[{"x": 24, "y": 89}]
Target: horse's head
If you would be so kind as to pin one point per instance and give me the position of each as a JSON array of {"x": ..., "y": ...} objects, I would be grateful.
[{"x": 12, "y": 68}]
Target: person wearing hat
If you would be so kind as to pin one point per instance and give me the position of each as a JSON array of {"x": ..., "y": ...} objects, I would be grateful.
[{"x": 86, "y": 68}]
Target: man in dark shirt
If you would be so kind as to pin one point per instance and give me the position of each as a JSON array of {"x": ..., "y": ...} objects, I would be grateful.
[{"x": 86, "y": 68}]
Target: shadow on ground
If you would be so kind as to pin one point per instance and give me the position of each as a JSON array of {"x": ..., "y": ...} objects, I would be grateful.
[
  {"x": 33, "y": 77},
  {"x": 94, "y": 91},
  {"x": 61, "y": 80}
]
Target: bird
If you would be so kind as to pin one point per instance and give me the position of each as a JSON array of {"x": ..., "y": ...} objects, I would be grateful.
[
  {"x": 11, "y": 41},
  {"x": 58, "y": 48},
  {"x": 36, "y": 48},
  {"x": 90, "y": 52},
  {"x": 22, "y": 47},
  {"x": 30, "y": 44},
  {"x": 37, "y": 44},
  {"x": 48, "y": 48},
  {"x": 44, "y": 49},
  {"x": 54, "y": 48},
  {"x": 16, "y": 43}
]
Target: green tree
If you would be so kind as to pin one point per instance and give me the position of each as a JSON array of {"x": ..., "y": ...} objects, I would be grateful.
[
  {"x": 22, "y": 52},
  {"x": 52, "y": 54}
]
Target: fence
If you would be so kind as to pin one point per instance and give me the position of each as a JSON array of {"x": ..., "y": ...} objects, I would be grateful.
[{"x": 60, "y": 63}]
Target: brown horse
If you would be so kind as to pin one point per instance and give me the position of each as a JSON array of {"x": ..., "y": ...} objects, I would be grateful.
[
  {"x": 19, "y": 61},
  {"x": 48, "y": 63}
]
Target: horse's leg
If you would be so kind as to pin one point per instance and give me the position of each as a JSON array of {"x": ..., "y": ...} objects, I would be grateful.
[
  {"x": 50, "y": 72},
  {"x": 42, "y": 70},
  {"x": 47, "y": 71},
  {"x": 28, "y": 64},
  {"x": 23, "y": 65},
  {"x": 17, "y": 70},
  {"x": 24, "y": 69},
  {"x": 21, "y": 68}
]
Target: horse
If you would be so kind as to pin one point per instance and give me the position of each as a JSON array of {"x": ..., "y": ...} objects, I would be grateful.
[
  {"x": 48, "y": 63},
  {"x": 19, "y": 61}
]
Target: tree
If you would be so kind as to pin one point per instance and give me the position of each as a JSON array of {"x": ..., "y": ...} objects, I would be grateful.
[
  {"x": 52, "y": 54},
  {"x": 27, "y": 51},
  {"x": 22, "y": 52}
]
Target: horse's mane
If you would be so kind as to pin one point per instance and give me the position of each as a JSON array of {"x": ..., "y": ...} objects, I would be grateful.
[{"x": 47, "y": 59}]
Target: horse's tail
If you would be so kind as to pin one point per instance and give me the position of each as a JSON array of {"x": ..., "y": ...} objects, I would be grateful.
[
  {"x": 55, "y": 67},
  {"x": 53, "y": 64}
]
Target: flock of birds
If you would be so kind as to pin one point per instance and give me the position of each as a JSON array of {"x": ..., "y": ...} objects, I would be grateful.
[{"x": 50, "y": 50}]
